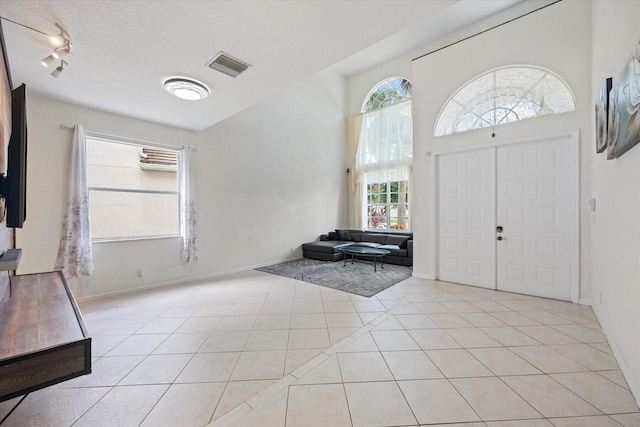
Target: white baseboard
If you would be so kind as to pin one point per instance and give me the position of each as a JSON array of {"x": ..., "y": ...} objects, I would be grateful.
[
  {"x": 633, "y": 385},
  {"x": 424, "y": 276},
  {"x": 585, "y": 301},
  {"x": 178, "y": 282}
]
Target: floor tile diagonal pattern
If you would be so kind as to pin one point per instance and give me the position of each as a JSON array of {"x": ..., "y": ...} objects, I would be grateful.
[{"x": 254, "y": 349}]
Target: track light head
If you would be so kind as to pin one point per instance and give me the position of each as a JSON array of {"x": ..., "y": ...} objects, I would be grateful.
[
  {"x": 56, "y": 40},
  {"x": 60, "y": 53},
  {"x": 48, "y": 60},
  {"x": 56, "y": 73},
  {"x": 63, "y": 39}
]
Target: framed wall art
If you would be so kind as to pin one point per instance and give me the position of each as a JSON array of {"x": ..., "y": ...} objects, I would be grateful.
[
  {"x": 602, "y": 116},
  {"x": 624, "y": 109}
]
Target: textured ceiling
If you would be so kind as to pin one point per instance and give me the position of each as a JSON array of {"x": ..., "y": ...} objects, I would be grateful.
[{"x": 124, "y": 50}]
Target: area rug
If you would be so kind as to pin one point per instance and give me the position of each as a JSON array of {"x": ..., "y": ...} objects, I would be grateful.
[{"x": 357, "y": 278}]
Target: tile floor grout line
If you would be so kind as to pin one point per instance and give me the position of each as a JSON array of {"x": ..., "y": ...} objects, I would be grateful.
[
  {"x": 90, "y": 407},
  {"x": 337, "y": 344},
  {"x": 286, "y": 406},
  {"x": 575, "y": 327}
]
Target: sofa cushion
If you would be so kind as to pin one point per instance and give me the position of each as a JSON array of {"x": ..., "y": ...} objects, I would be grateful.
[
  {"x": 392, "y": 239},
  {"x": 366, "y": 244},
  {"x": 375, "y": 237},
  {"x": 344, "y": 235},
  {"x": 333, "y": 235},
  {"x": 395, "y": 250},
  {"x": 404, "y": 244},
  {"x": 328, "y": 247},
  {"x": 356, "y": 235}
]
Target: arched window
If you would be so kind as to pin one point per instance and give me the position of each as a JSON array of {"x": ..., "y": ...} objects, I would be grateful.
[
  {"x": 388, "y": 92},
  {"x": 504, "y": 95},
  {"x": 385, "y": 154}
]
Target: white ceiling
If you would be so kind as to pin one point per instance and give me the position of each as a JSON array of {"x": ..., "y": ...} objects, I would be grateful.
[{"x": 124, "y": 50}]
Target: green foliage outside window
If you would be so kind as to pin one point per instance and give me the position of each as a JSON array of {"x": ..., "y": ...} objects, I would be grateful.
[
  {"x": 387, "y": 205},
  {"x": 389, "y": 93}
]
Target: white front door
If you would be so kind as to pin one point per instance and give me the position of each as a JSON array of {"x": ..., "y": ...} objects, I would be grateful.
[
  {"x": 535, "y": 208},
  {"x": 529, "y": 189},
  {"x": 466, "y": 211}
]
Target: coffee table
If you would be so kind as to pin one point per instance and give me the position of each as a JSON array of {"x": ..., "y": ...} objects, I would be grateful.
[{"x": 363, "y": 251}]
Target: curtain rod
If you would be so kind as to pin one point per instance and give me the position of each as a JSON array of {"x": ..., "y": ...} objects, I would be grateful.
[
  {"x": 126, "y": 140},
  {"x": 484, "y": 31}
]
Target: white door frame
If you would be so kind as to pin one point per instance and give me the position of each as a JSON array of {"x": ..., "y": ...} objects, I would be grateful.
[{"x": 575, "y": 213}]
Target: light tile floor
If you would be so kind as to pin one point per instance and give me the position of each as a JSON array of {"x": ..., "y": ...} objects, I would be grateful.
[{"x": 254, "y": 349}]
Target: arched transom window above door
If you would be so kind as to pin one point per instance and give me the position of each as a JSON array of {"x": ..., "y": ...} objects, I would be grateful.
[{"x": 504, "y": 95}]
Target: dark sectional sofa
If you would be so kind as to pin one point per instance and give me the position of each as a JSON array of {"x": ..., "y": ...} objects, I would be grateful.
[{"x": 400, "y": 244}]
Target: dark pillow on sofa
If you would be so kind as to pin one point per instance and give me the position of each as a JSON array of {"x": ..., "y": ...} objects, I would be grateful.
[
  {"x": 344, "y": 235},
  {"x": 333, "y": 235},
  {"x": 393, "y": 239},
  {"x": 324, "y": 237},
  {"x": 403, "y": 245}
]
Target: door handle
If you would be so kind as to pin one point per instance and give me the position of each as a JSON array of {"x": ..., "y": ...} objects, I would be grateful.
[{"x": 501, "y": 238}]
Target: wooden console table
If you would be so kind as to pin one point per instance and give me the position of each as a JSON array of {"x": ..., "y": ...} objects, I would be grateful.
[{"x": 43, "y": 339}]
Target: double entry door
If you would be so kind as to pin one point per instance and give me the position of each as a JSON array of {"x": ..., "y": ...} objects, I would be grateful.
[{"x": 507, "y": 217}]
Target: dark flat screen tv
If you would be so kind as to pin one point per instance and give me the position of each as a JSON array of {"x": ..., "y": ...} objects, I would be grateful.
[
  {"x": 13, "y": 186},
  {"x": 15, "y": 190}
]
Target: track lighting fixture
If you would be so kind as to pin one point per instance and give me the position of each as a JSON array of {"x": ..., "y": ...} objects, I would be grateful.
[
  {"x": 63, "y": 48},
  {"x": 56, "y": 73},
  {"x": 62, "y": 43}
]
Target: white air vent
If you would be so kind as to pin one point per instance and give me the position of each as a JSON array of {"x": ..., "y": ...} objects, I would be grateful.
[{"x": 228, "y": 65}]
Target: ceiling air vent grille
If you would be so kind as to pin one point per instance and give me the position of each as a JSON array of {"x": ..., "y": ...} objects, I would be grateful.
[{"x": 228, "y": 65}]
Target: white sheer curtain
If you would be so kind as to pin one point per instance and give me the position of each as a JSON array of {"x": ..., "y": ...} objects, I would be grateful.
[
  {"x": 75, "y": 256},
  {"x": 386, "y": 141},
  {"x": 355, "y": 129},
  {"x": 385, "y": 149},
  {"x": 188, "y": 220}
]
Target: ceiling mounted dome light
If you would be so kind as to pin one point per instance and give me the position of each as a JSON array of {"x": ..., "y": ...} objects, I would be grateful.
[{"x": 186, "y": 88}]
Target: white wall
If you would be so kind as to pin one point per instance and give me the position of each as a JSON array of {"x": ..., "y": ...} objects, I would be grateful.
[
  {"x": 274, "y": 176},
  {"x": 615, "y": 184},
  {"x": 268, "y": 180}
]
